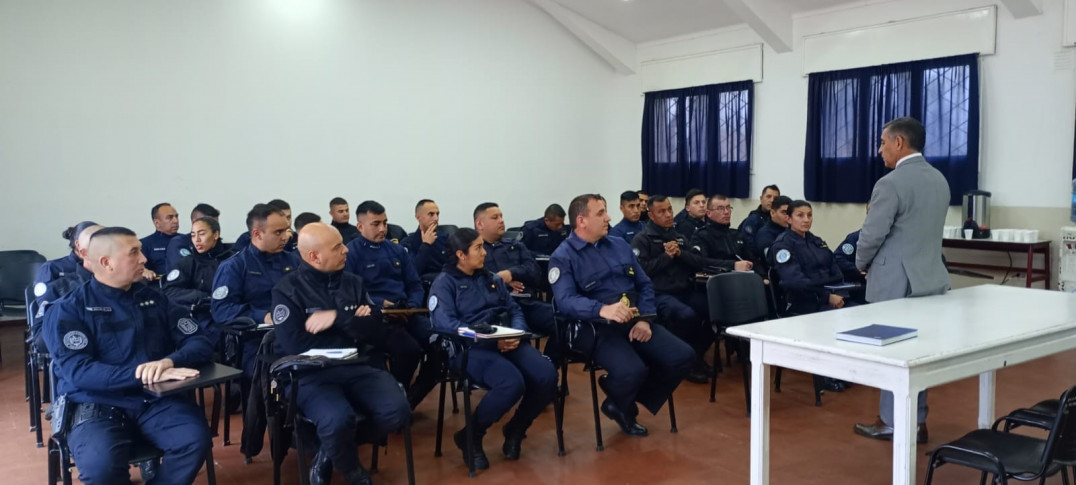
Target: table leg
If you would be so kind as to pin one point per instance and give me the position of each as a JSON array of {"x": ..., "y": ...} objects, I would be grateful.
[
  {"x": 904, "y": 424},
  {"x": 986, "y": 399},
  {"x": 1030, "y": 266},
  {"x": 1046, "y": 264},
  {"x": 760, "y": 416}
]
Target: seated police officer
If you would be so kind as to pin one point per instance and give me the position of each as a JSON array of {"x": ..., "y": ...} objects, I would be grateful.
[
  {"x": 644, "y": 213},
  {"x": 592, "y": 276},
  {"x": 631, "y": 207},
  {"x": 242, "y": 284},
  {"x": 190, "y": 283},
  {"x": 70, "y": 264},
  {"x": 466, "y": 294},
  {"x": 845, "y": 254},
  {"x": 110, "y": 337},
  {"x": 392, "y": 282},
  {"x": 58, "y": 277},
  {"x": 542, "y": 236},
  {"x": 718, "y": 241},
  {"x": 293, "y": 236},
  {"x": 680, "y": 302},
  {"x": 305, "y": 218},
  {"x": 340, "y": 212},
  {"x": 778, "y": 223},
  {"x": 182, "y": 246},
  {"x": 757, "y": 218},
  {"x": 155, "y": 246},
  {"x": 513, "y": 262},
  {"x": 427, "y": 243},
  {"x": 322, "y": 306},
  {"x": 693, "y": 216}
]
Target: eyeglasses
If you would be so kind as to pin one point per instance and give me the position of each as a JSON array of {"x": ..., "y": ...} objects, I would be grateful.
[{"x": 727, "y": 208}]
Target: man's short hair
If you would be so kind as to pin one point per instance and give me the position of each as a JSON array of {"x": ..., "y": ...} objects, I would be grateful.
[
  {"x": 422, "y": 203},
  {"x": 691, "y": 194},
  {"x": 713, "y": 198},
  {"x": 260, "y": 213},
  {"x": 369, "y": 207},
  {"x": 626, "y": 196},
  {"x": 910, "y": 129},
  {"x": 554, "y": 211},
  {"x": 772, "y": 187},
  {"x": 153, "y": 212},
  {"x": 655, "y": 198},
  {"x": 111, "y": 232},
  {"x": 304, "y": 219},
  {"x": 205, "y": 210},
  {"x": 280, "y": 204},
  {"x": 580, "y": 205},
  {"x": 482, "y": 208},
  {"x": 781, "y": 200},
  {"x": 337, "y": 201}
]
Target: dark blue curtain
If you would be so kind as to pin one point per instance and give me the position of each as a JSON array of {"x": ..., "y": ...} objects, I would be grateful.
[
  {"x": 847, "y": 109},
  {"x": 698, "y": 137}
]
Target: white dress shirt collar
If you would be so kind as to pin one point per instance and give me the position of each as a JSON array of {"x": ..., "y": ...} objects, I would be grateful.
[{"x": 916, "y": 154}]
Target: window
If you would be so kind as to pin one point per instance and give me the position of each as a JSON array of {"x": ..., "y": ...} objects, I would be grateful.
[
  {"x": 847, "y": 110},
  {"x": 698, "y": 137}
]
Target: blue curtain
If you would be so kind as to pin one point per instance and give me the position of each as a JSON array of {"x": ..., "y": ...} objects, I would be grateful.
[
  {"x": 698, "y": 137},
  {"x": 847, "y": 109}
]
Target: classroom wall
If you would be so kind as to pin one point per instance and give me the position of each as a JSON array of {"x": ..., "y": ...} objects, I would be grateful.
[{"x": 108, "y": 107}]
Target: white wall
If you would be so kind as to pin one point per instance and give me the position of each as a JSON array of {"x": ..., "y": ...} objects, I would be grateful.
[{"x": 108, "y": 107}]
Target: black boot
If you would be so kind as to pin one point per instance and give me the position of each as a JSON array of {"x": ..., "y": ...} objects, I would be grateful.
[
  {"x": 514, "y": 432},
  {"x": 481, "y": 462},
  {"x": 358, "y": 477},
  {"x": 321, "y": 469}
]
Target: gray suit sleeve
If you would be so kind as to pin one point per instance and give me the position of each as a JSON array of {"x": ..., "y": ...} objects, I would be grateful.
[{"x": 884, "y": 203}]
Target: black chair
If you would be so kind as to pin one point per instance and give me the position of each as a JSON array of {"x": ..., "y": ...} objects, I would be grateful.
[
  {"x": 447, "y": 228},
  {"x": 735, "y": 298},
  {"x": 37, "y": 362},
  {"x": 569, "y": 354},
  {"x": 233, "y": 336},
  {"x": 781, "y": 310},
  {"x": 396, "y": 233},
  {"x": 286, "y": 423},
  {"x": 1006, "y": 455},
  {"x": 513, "y": 232},
  {"x": 17, "y": 270}
]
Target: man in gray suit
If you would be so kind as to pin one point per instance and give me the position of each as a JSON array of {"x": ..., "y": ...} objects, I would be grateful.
[{"x": 900, "y": 245}]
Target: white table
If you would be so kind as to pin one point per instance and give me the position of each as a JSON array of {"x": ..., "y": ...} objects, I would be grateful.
[{"x": 967, "y": 332}]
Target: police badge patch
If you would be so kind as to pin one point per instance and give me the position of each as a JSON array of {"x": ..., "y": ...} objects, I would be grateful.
[
  {"x": 184, "y": 252},
  {"x": 220, "y": 293},
  {"x": 783, "y": 256},
  {"x": 39, "y": 289},
  {"x": 635, "y": 251},
  {"x": 187, "y": 326},
  {"x": 554, "y": 275},
  {"x": 432, "y": 303},
  {"x": 172, "y": 275},
  {"x": 75, "y": 340},
  {"x": 848, "y": 249},
  {"x": 281, "y": 313}
]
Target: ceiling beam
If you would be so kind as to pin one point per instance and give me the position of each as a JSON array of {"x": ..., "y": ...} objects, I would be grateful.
[
  {"x": 614, "y": 49},
  {"x": 1023, "y": 8},
  {"x": 768, "y": 19}
]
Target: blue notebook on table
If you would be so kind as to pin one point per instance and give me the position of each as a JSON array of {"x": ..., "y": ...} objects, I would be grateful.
[{"x": 877, "y": 334}]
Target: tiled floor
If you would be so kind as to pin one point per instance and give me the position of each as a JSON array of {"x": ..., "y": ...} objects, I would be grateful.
[{"x": 810, "y": 445}]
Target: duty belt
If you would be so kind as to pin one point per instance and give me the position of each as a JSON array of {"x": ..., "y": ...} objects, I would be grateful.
[{"x": 89, "y": 411}]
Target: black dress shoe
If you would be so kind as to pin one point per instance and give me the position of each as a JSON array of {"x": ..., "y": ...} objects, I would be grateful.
[
  {"x": 698, "y": 376},
  {"x": 878, "y": 430},
  {"x": 321, "y": 469},
  {"x": 627, "y": 424},
  {"x": 833, "y": 385},
  {"x": 481, "y": 462},
  {"x": 513, "y": 445},
  {"x": 358, "y": 477}
]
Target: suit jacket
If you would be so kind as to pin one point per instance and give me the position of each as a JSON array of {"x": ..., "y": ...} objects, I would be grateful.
[{"x": 900, "y": 244}]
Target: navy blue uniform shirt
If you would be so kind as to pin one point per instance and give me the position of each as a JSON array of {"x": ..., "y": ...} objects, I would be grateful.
[
  {"x": 178, "y": 248},
  {"x": 155, "y": 248},
  {"x": 428, "y": 258},
  {"x": 386, "y": 270},
  {"x": 751, "y": 224},
  {"x": 347, "y": 231},
  {"x": 190, "y": 283},
  {"x": 243, "y": 284},
  {"x": 58, "y": 268},
  {"x": 97, "y": 336},
  {"x": 540, "y": 239},
  {"x": 512, "y": 255},
  {"x": 458, "y": 299},
  {"x": 765, "y": 238},
  {"x": 587, "y": 276},
  {"x": 805, "y": 264},
  {"x": 626, "y": 230}
]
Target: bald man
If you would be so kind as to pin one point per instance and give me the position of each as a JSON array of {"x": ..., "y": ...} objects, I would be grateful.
[
  {"x": 110, "y": 337},
  {"x": 322, "y": 306}
]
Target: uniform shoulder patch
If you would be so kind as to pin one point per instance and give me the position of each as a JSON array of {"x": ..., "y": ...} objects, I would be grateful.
[
  {"x": 187, "y": 326},
  {"x": 635, "y": 251},
  {"x": 184, "y": 252},
  {"x": 432, "y": 304},
  {"x": 848, "y": 249},
  {"x": 554, "y": 275},
  {"x": 783, "y": 256},
  {"x": 220, "y": 293},
  {"x": 75, "y": 340},
  {"x": 281, "y": 313},
  {"x": 172, "y": 275},
  {"x": 39, "y": 289}
]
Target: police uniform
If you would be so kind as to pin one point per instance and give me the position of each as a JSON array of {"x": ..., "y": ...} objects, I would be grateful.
[
  {"x": 751, "y": 224},
  {"x": 347, "y": 231},
  {"x": 58, "y": 268},
  {"x": 765, "y": 238},
  {"x": 521, "y": 375},
  {"x": 512, "y": 255},
  {"x": 626, "y": 229},
  {"x": 689, "y": 225},
  {"x": 681, "y": 303},
  {"x": 587, "y": 276},
  {"x": 242, "y": 288},
  {"x": 155, "y": 248},
  {"x": 178, "y": 248},
  {"x": 190, "y": 283},
  {"x": 722, "y": 245},
  {"x": 52, "y": 283},
  {"x": 241, "y": 242},
  {"x": 388, "y": 274},
  {"x": 805, "y": 265},
  {"x": 845, "y": 254},
  {"x": 540, "y": 239},
  {"x": 395, "y": 234},
  {"x": 333, "y": 397},
  {"x": 97, "y": 336},
  {"x": 429, "y": 259}
]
